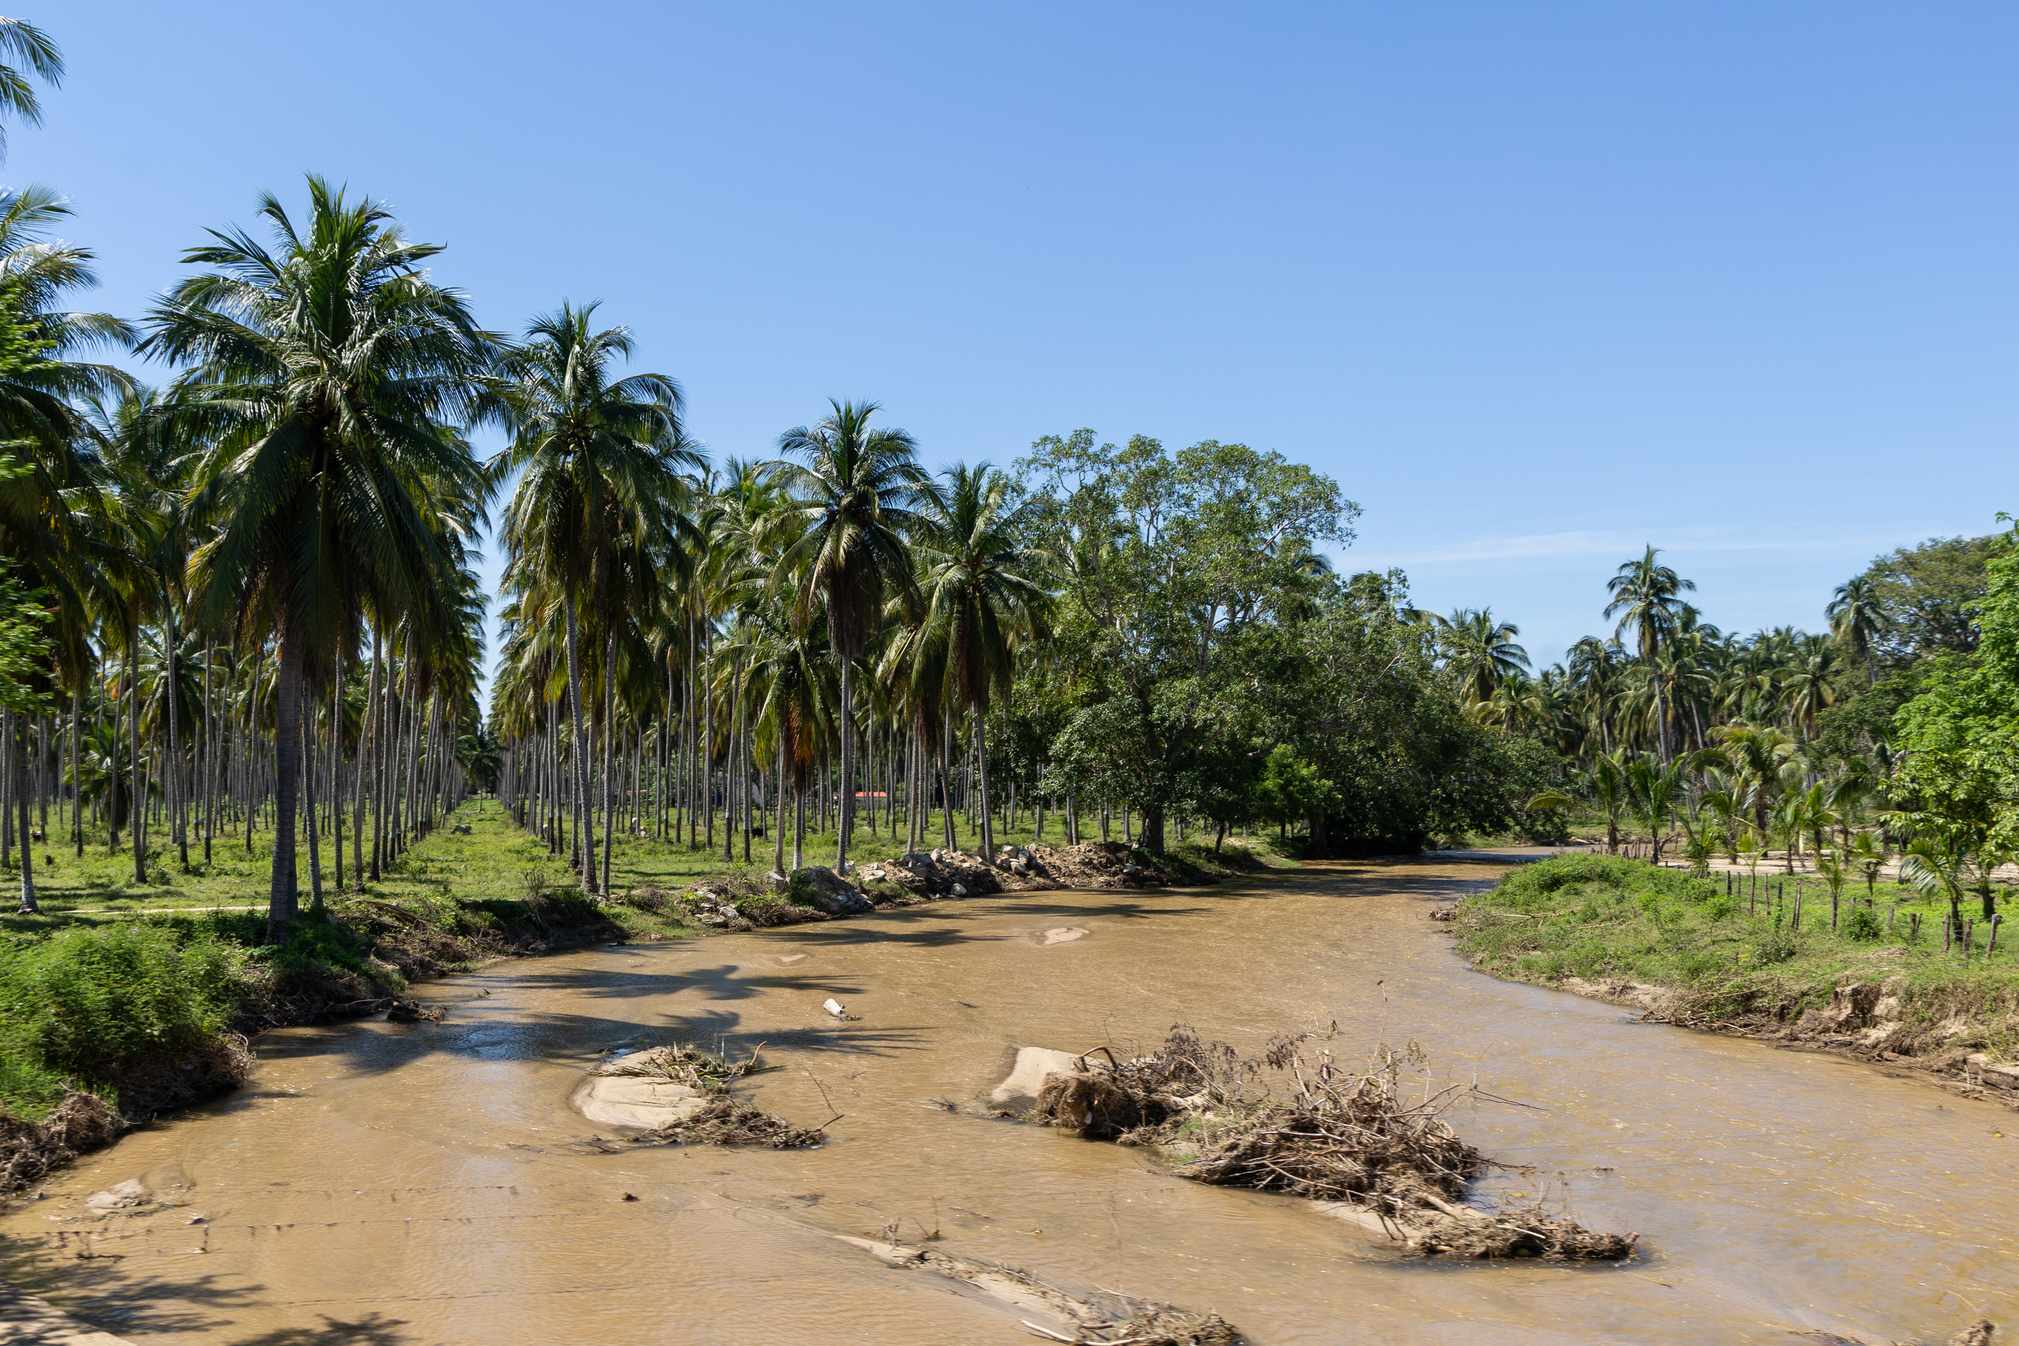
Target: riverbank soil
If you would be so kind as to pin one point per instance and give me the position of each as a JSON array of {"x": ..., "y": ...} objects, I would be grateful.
[{"x": 429, "y": 1182}]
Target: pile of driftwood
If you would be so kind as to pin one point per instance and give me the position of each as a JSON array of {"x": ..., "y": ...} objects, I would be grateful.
[
  {"x": 1337, "y": 1135},
  {"x": 721, "y": 1120}
]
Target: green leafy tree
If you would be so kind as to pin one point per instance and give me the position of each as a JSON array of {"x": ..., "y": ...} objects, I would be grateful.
[{"x": 1181, "y": 576}]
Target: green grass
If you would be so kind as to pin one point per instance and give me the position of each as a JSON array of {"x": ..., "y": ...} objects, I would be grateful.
[{"x": 1597, "y": 917}]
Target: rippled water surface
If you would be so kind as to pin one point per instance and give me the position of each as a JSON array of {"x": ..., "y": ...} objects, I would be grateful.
[{"x": 382, "y": 1183}]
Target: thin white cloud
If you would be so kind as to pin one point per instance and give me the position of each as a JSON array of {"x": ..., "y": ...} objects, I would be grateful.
[{"x": 1611, "y": 543}]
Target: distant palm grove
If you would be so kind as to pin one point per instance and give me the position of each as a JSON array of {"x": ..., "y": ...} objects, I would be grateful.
[{"x": 245, "y": 601}]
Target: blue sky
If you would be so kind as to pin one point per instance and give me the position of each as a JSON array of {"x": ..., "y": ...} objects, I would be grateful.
[{"x": 1536, "y": 283}]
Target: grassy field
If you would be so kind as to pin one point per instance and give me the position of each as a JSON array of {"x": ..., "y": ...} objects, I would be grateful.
[{"x": 1729, "y": 960}]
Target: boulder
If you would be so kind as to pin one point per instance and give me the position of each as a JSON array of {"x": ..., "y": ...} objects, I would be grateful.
[
  {"x": 635, "y": 1100},
  {"x": 1027, "y": 1077},
  {"x": 822, "y": 888},
  {"x": 123, "y": 1196}
]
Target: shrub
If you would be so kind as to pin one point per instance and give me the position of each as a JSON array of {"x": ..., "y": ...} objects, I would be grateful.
[
  {"x": 88, "y": 1000},
  {"x": 1864, "y": 925},
  {"x": 1777, "y": 947}
]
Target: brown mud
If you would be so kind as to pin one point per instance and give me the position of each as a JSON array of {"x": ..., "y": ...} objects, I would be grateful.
[{"x": 425, "y": 1183}]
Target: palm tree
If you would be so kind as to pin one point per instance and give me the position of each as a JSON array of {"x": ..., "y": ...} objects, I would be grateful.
[
  {"x": 52, "y": 513},
  {"x": 326, "y": 371},
  {"x": 22, "y": 41},
  {"x": 601, "y": 466},
  {"x": 1478, "y": 651},
  {"x": 982, "y": 597},
  {"x": 1646, "y": 596},
  {"x": 1595, "y": 671},
  {"x": 1938, "y": 870},
  {"x": 1858, "y": 619},
  {"x": 1605, "y": 785},
  {"x": 1808, "y": 688},
  {"x": 856, "y": 491},
  {"x": 1652, "y": 789}
]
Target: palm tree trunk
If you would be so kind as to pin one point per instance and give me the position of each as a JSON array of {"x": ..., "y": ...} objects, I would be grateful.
[
  {"x": 847, "y": 815},
  {"x": 308, "y": 736},
  {"x": 578, "y": 762},
  {"x": 282, "y": 903},
  {"x": 172, "y": 766},
  {"x": 336, "y": 776},
  {"x": 365, "y": 731},
  {"x": 705, "y": 797},
  {"x": 730, "y": 765},
  {"x": 986, "y": 838},
  {"x": 748, "y": 771},
  {"x": 139, "y": 819},
  {"x": 778, "y": 841},
  {"x": 209, "y": 755},
  {"x": 609, "y": 744},
  {"x": 798, "y": 823},
  {"x": 1660, "y": 715},
  {"x": 16, "y": 730},
  {"x": 251, "y": 738},
  {"x": 77, "y": 777}
]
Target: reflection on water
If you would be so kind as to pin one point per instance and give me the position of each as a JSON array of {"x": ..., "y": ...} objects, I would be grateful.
[{"x": 383, "y": 1184}]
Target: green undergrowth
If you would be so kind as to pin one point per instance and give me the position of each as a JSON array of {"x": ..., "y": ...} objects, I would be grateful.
[
  {"x": 1727, "y": 957},
  {"x": 84, "y": 1000}
]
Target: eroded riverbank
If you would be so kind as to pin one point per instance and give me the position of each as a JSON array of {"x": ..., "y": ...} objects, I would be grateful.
[{"x": 429, "y": 1183}]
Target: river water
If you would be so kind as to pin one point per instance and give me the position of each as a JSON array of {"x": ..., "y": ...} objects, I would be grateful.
[{"x": 382, "y": 1184}]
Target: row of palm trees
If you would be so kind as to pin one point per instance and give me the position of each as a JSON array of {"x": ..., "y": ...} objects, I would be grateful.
[
  {"x": 211, "y": 555},
  {"x": 290, "y": 521},
  {"x": 734, "y": 619},
  {"x": 1665, "y": 681}
]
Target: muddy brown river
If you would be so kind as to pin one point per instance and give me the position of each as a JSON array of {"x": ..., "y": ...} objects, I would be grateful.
[{"x": 385, "y": 1184}]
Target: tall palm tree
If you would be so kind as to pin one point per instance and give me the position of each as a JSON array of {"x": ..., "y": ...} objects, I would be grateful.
[
  {"x": 1858, "y": 619},
  {"x": 602, "y": 466},
  {"x": 326, "y": 370},
  {"x": 1595, "y": 671},
  {"x": 22, "y": 42},
  {"x": 1478, "y": 651},
  {"x": 982, "y": 597},
  {"x": 1808, "y": 688},
  {"x": 856, "y": 488},
  {"x": 1647, "y": 598},
  {"x": 52, "y": 513}
]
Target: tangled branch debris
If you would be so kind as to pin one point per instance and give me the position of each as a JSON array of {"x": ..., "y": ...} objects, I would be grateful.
[
  {"x": 1102, "y": 1319},
  {"x": 1342, "y": 1136},
  {"x": 721, "y": 1120}
]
